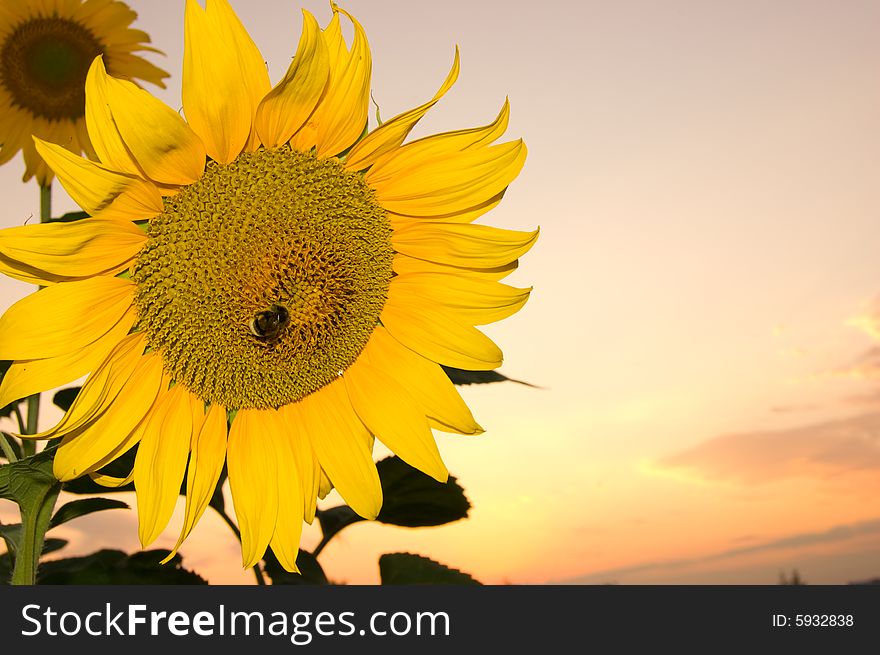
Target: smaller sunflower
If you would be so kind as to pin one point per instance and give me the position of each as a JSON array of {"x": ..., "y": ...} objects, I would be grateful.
[{"x": 46, "y": 49}]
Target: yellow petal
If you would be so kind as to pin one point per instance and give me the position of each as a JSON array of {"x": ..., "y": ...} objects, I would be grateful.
[
  {"x": 466, "y": 245},
  {"x": 288, "y": 526},
  {"x": 290, "y": 103},
  {"x": 208, "y": 454},
  {"x": 161, "y": 462},
  {"x": 438, "y": 336},
  {"x": 27, "y": 377},
  {"x": 64, "y": 317},
  {"x": 468, "y": 215},
  {"x": 101, "y": 387},
  {"x": 450, "y": 183},
  {"x": 111, "y": 481},
  {"x": 388, "y": 136},
  {"x": 92, "y": 186},
  {"x": 424, "y": 380},
  {"x": 102, "y": 130},
  {"x": 420, "y": 151},
  {"x": 253, "y": 478},
  {"x": 341, "y": 116},
  {"x": 473, "y": 301},
  {"x": 224, "y": 79},
  {"x": 89, "y": 247},
  {"x": 306, "y": 459},
  {"x": 405, "y": 265},
  {"x": 16, "y": 270},
  {"x": 324, "y": 485},
  {"x": 342, "y": 444},
  {"x": 140, "y": 200},
  {"x": 160, "y": 141},
  {"x": 103, "y": 437},
  {"x": 394, "y": 417}
]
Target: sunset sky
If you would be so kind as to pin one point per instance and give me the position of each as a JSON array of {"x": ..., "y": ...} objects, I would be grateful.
[{"x": 703, "y": 330}]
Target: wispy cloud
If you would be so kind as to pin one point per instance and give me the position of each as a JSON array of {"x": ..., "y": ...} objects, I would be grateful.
[
  {"x": 837, "y": 535},
  {"x": 816, "y": 449}
]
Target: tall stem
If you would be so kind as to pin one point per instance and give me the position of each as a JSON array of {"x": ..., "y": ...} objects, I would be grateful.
[
  {"x": 33, "y": 402},
  {"x": 35, "y": 522}
]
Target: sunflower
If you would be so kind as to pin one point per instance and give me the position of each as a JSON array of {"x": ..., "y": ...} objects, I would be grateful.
[
  {"x": 269, "y": 265},
  {"x": 46, "y": 48}
]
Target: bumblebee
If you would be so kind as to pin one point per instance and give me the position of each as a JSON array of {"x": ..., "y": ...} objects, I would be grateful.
[{"x": 268, "y": 324}]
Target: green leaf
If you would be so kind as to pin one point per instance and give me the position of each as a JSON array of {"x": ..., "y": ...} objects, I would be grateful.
[
  {"x": 6, "y": 441},
  {"x": 462, "y": 377},
  {"x": 64, "y": 398},
  {"x": 118, "y": 468},
  {"x": 310, "y": 569},
  {"x": 20, "y": 480},
  {"x": 70, "y": 217},
  {"x": 116, "y": 567},
  {"x": 406, "y": 568},
  {"x": 83, "y": 506},
  {"x": 413, "y": 499}
]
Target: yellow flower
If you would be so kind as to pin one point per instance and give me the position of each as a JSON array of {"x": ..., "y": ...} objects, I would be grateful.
[
  {"x": 46, "y": 48},
  {"x": 267, "y": 262}
]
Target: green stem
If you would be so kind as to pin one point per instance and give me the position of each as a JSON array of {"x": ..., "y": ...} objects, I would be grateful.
[
  {"x": 258, "y": 572},
  {"x": 36, "y": 508},
  {"x": 46, "y": 203},
  {"x": 22, "y": 426},
  {"x": 34, "y": 523},
  {"x": 33, "y": 402},
  {"x": 29, "y": 446}
]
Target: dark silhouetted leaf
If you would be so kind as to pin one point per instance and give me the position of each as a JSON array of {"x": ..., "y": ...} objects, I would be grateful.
[
  {"x": 462, "y": 377},
  {"x": 118, "y": 468},
  {"x": 217, "y": 501},
  {"x": 5, "y": 568},
  {"x": 83, "y": 506},
  {"x": 70, "y": 217},
  {"x": 335, "y": 519},
  {"x": 310, "y": 569},
  {"x": 7, "y": 411},
  {"x": 414, "y": 500},
  {"x": 11, "y": 534},
  {"x": 116, "y": 567},
  {"x": 51, "y": 545},
  {"x": 406, "y": 568},
  {"x": 64, "y": 398}
]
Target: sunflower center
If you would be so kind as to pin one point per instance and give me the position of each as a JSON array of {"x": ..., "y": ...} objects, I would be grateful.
[
  {"x": 263, "y": 280},
  {"x": 43, "y": 65}
]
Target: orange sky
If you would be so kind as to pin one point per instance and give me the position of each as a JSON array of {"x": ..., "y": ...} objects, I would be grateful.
[{"x": 705, "y": 179}]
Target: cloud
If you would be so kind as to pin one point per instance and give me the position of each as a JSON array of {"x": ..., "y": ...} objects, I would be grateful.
[
  {"x": 813, "y": 450},
  {"x": 836, "y": 536},
  {"x": 865, "y": 365}
]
